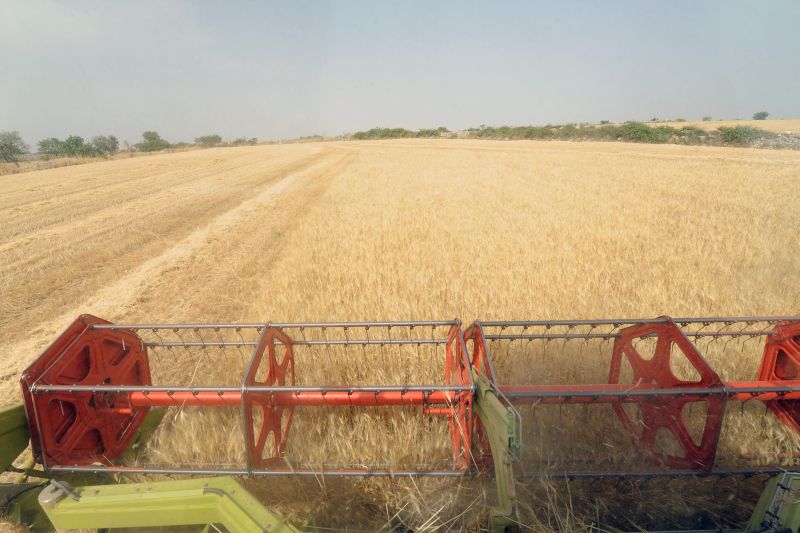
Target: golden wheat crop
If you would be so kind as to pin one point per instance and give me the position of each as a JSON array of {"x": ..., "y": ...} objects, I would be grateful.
[{"x": 409, "y": 230}]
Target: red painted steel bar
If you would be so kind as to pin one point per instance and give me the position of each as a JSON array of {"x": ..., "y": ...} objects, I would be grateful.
[
  {"x": 294, "y": 399},
  {"x": 520, "y": 394}
]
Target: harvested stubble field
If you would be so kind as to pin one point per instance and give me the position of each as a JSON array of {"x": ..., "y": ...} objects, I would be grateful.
[{"x": 413, "y": 230}]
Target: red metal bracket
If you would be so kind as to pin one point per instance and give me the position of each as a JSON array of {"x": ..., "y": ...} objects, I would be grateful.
[
  {"x": 83, "y": 427},
  {"x": 658, "y": 414},
  {"x": 266, "y": 421},
  {"x": 781, "y": 363},
  {"x": 480, "y": 358},
  {"x": 458, "y": 373},
  {"x": 481, "y": 366}
]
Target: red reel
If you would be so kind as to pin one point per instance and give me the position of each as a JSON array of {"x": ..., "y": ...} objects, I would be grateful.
[
  {"x": 481, "y": 451},
  {"x": 268, "y": 424},
  {"x": 457, "y": 373},
  {"x": 666, "y": 414},
  {"x": 84, "y": 427},
  {"x": 781, "y": 362}
]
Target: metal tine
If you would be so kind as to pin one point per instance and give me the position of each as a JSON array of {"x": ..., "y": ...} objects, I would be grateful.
[
  {"x": 433, "y": 347},
  {"x": 327, "y": 346},
  {"x": 180, "y": 337},
  {"x": 408, "y": 332},
  {"x": 399, "y": 349},
  {"x": 199, "y": 360},
  {"x": 382, "y": 350},
  {"x": 564, "y": 344},
  {"x": 239, "y": 348},
  {"x": 346, "y": 338},
  {"x": 731, "y": 337},
  {"x": 157, "y": 352},
  {"x": 311, "y": 349},
  {"x": 585, "y": 342},
  {"x": 364, "y": 346}
]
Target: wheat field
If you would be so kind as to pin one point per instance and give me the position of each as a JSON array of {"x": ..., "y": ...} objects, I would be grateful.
[{"x": 409, "y": 230}]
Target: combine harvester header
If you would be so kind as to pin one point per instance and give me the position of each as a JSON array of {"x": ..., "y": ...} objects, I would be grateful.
[
  {"x": 657, "y": 379},
  {"x": 90, "y": 394}
]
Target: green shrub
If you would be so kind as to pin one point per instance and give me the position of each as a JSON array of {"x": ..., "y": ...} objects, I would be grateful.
[
  {"x": 632, "y": 131},
  {"x": 383, "y": 133},
  {"x": 607, "y": 132},
  {"x": 691, "y": 135},
  {"x": 534, "y": 132},
  {"x": 741, "y": 134},
  {"x": 567, "y": 131},
  {"x": 642, "y": 133},
  {"x": 428, "y": 133}
]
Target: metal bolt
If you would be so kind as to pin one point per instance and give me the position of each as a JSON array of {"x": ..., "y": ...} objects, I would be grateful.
[{"x": 50, "y": 496}]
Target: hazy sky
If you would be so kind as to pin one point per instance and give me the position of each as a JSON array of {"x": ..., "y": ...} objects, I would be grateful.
[{"x": 284, "y": 69}]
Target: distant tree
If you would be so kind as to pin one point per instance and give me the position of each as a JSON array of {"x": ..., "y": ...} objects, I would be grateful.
[
  {"x": 105, "y": 144},
  {"x": 706, "y": 119},
  {"x": 761, "y": 115},
  {"x": 207, "y": 141},
  {"x": 604, "y": 122},
  {"x": 152, "y": 142},
  {"x": 12, "y": 146},
  {"x": 50, "y": 147},
  {"x": 252, "y": 141},
  {"x": 74, "y": 146}
]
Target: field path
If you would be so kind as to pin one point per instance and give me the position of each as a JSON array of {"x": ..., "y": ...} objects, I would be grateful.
[{"x": 119, "y": 298}]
